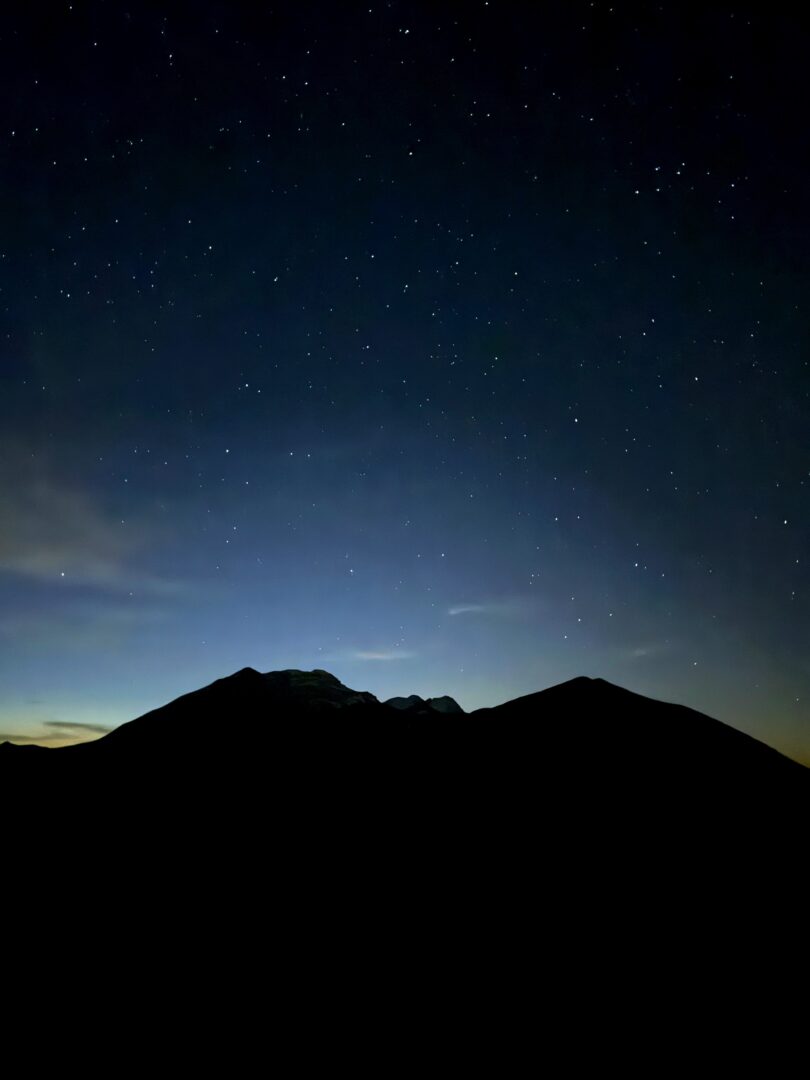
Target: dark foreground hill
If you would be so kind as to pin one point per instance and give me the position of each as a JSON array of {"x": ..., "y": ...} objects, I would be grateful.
[
  {"x": 547, "y": 868},
  {"x": 584, "y": 747}
]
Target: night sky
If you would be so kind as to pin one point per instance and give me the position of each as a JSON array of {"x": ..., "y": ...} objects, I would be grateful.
[{"x": 454, "y": 348}]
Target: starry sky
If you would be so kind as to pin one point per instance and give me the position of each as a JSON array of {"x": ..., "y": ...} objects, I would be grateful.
[{"x": 456, "y": 348}]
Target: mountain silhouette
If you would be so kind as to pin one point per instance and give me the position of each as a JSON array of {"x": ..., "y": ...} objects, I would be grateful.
[
  {"x": 585, "y": 739},
  {"x": 414, "y": 702},
  {"x": 583, "y": 828}
]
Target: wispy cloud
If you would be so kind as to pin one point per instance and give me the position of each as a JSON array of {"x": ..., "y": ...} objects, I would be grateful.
[
  {"x": 70, "y": 726},
  {"x": 505, "y": 609},
  {"x": 55, "y": 532}
]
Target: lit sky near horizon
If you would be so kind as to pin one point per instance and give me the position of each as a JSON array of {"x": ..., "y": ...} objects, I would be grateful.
[{"x": 453, "y": 349}]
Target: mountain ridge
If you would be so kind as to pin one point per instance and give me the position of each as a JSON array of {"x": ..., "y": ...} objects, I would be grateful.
[
  {"x": 577, "y": 782},
  {"x": 318, "y": 693}
]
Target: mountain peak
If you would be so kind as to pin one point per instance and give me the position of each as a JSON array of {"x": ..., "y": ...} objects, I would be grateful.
[
  {"x": 314, "y": 689},
  {"x": 414, "y": 703},
  {"x": 292, "y": 677}
]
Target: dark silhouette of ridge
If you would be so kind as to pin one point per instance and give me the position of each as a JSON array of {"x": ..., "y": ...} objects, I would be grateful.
[
  {"x": 585, "y": 822},
  {"x": 675, "y": 734},
  {"x": 585, "y": 736},
  {"x": 443, "y": 704}
]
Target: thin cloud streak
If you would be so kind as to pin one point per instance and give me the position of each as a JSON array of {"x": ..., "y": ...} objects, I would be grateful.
[
  {"x": 504, "y": 609},
  {"x": 68, "y": 725}
]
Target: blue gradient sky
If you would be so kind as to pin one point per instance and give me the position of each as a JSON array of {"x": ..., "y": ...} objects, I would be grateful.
[{"x": 452, "y": 351}]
